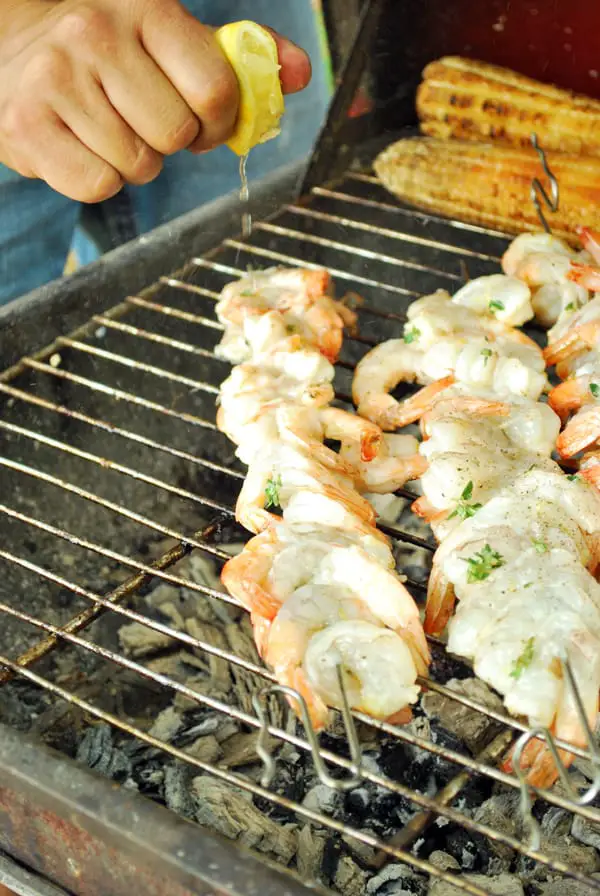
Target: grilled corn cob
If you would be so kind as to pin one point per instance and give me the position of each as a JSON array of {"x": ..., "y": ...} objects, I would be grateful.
[
  {"x": 490, "y": 185},
  {"x": 471, "y": 100}
]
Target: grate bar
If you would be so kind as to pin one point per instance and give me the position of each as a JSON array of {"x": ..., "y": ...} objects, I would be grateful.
[
  {"x": 122, "y": 559},
  {"x": 380, "y": 231},
  {"x": 118, "y": 394},
  {"x": 83, "y": 619},
  {"x": 113, "y": 429},
  {"x": 425, "y": 216},
  {"x": 302, "y": 262},
  {"x": 110, "y": 505},
  {"x": 187, "y": 316},
  {"x": 141, "y": 333},
  {"x": 113, "y": 465},
  {"x": 257, "y": 790},
  {"x": 352, "y": 250},
  {"x": 132, "y": 364}
]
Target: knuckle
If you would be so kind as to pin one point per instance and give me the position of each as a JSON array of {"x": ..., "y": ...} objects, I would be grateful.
[
  {"x": 17, "y": 121},
  {"x": 85, "y": 27},
  {"x": 219, "y": 99},
  {"x": 48, "y": 70}
]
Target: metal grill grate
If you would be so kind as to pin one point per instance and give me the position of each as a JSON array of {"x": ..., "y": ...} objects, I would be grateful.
[{"x": 109, "y": 444}]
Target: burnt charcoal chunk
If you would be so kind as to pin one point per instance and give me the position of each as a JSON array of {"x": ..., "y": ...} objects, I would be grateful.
[{"x": 98, "y": 752}]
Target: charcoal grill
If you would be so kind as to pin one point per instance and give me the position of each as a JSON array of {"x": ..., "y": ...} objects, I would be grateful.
[{"x": 113, "y": 477}]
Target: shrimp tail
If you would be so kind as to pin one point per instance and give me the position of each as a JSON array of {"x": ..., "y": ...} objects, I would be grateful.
[
  {"x": 440, "y": 602},
  {"x": 585, "y": 275},
  {"x": 402, "y": 717},
  {"x": 590, "y": 240},
  {"x": 296, "y": 679},
  {"x": 568, "y": 397},
  {"x": 539, "y": 763}
]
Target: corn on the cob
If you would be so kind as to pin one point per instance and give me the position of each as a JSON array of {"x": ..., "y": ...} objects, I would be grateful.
[
  {"x": 471, "y": 100},
  {"x": 490, "y": 185}
]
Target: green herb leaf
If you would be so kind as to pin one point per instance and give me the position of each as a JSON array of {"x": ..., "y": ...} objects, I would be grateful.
[
  {"x": 524, "y": 660},
  {"x": 570, "y": 306},
  {"x": 467, "y": 492},
  {"x": 482, "y": 563},
  {"x": 247, "y": 293},
  {"x": 411, "y": 335},
  {"x": 463, "y": 509},
  {"x": 540, "y": 546},
  {"x": 573, "y": 477},
  {"x": 272, "y": 492},
  {"x": 487, "y": 354},
  {"x": 595, "y": 390},
  {"x": 528, "y": 585},
  {"x": 496, "y": 305}
]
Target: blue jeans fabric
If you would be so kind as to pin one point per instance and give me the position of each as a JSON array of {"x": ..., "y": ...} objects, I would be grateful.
[{"x": 38, "y": 226}]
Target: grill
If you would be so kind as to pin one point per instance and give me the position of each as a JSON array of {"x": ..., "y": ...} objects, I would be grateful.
[{"x": 115, "y": 484}]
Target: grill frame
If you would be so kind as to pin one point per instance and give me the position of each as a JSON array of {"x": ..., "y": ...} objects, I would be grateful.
[{"x": 61, "y": 299}]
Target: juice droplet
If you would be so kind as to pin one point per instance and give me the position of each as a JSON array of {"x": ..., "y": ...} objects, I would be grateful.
[{"x": 245, "y": 197}]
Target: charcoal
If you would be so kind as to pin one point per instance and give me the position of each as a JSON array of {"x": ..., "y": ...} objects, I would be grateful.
[
  {"x": 349, "y": 878},
  {"x": 322, "y": 798},
  {"x": 468, "y": 848},
  {"x": 445, "y": 667},
  {"x": 166, "y": 725},
  {"x": 501, "y": 885},
  {"x": 473, "y": 728},
  {"x": 97, "y": 751},
  {"x": 558, "y": 844},
  {"x": 361, "y": 852},
  {"x": 138, "y": 640},
  {"x": 397, "y": 880},
  {"x": 309, "y": 860},
  {"x": 229, "y": 810},
  {"x": 177, "y": 786},
  {"x": 240, "y": 749},
  {"x": 566, "y": 887},
  {"x": 502, "y": 813},
  {"x": 444, "y": 861},
  {"x": 586, "y": 832},
  {"x": 206, "y": 749}
]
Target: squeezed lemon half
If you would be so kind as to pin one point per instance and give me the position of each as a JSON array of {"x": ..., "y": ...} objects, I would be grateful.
[{"x": 252, "y": 53}]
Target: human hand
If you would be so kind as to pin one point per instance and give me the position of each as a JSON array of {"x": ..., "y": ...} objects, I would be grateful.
[{"x": 94, "y": 93}]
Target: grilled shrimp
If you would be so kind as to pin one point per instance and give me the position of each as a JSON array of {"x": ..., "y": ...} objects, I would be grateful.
[
  {"x": 278, "y": 473},
  {"x": 543, "y": 263}
]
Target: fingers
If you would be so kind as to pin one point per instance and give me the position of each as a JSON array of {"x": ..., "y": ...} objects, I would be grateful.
[
  {"x": 90, "y": 116},
  {"x": 296, "y": 69},
  {"x": 57, "y": 156},
  {"x": 188, "y": 54}
]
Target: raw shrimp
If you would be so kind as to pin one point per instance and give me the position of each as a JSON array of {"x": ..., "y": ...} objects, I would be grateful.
[
  {"x": 573, "y": 394},
  {"x": 573, "y": 334},
  {"x": 581, "y": 432},
  {"x": 297, "y": 297},
  {"x": 505, "y": 299},
  {"x": 397, "y": 461},
  {"x": 305, "y": 507},
  {"x": 279, "y": 560},
  {"x": 505, "y": 367},
  {"x": 278, "y": 473}
]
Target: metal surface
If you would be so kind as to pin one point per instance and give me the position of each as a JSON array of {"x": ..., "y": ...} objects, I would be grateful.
[{"x": 115, "y": 422}]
